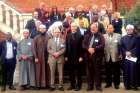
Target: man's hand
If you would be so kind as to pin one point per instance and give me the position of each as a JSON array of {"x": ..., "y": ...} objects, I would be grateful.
[
  {"x": 24, "y": 57},
  {"x": 80, "y": 59},
  {"x": 66, "y": 58},
  {"x": 91, "y": 50},
  {"x": 120, "y": 57},
  {"x": 36, "y": 60},
  {"x": 56, "y": 54},
  {"x": 128, "y": 54}
]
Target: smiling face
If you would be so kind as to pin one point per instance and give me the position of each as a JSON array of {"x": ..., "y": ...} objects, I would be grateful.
[
  {"x": 35, "y": 14},
  {"x": 110, "y": 29},
  {"x": 73, "y": 27},
  {"x": 81, "y": 23},
  {"x": 42, "y": 28},
  {"x": 9, "y": 36},
  {"x": 93, "y": 28},
  {"x": 26, "y": 34},
  {"x": 130, "y": 31}
]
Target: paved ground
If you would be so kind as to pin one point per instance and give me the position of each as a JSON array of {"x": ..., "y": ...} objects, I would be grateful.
[{"x": 107, "y": 90}]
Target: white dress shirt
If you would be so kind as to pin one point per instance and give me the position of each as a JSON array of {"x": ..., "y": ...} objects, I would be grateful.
[
  {"x": 82, "y": 31},
  {"x": 9, "y": 52},
  {"x": 57, "y": 40}
]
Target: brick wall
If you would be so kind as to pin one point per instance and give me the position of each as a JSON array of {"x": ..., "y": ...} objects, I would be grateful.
[{"x": 29, "y": 5}]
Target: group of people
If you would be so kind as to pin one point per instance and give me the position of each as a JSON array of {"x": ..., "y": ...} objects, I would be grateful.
[{"x": 81, "y": 41}]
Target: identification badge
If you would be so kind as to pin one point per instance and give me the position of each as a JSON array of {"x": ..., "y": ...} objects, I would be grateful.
[
  {"x": 29, "y": 43},
  {"x": 96, "y": 40},
  {"x": 115, "y": 41},
  {"x": 14, "y": 48},
  {"x": 62, "y": 45}
]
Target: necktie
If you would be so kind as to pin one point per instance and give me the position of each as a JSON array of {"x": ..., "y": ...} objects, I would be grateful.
[
  {"x": 91, "y": 41},
  {"x": 110, "y": 38}
]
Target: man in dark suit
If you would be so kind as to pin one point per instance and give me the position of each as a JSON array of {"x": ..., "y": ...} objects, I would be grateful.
[
  {"x": 74, "y": 57},
  {"x": 138, "y": 63},
  {"x": 129, "y": 48},
  {"x": 100, "y": 26},
  {"x": 8, "y": 54},
  {"x": 93, "y": 44},
  {"x": 33, "y": 25},
  {"x": 82, "y": 30}
]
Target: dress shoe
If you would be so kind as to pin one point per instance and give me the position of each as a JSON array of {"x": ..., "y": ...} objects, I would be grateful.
[
  {"x": 107, "y": 86},
  {"x": 21, "y": 88},
  {"x": 135, "y": 88},
  {"x": 3, "y": 89},
  {"x": 99, "y": 89},
  {"x": 128, "y": 88},
  {"x": 89, "y": 88},
  {"x": 61, "y": 89},
  {"x": 52, "y": 89},
  {"x": 116, "y": 87},
  {"x": 12, "y": 88},
  {"x": 32, "y": 88},
  {"x": 77, "y": 88},
  {"x": 70, "y": 88}
]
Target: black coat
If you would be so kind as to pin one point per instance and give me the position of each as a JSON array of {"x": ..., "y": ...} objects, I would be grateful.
[
  {"x": 32, "y": 28},
  {"x": 74, "y": 46},
  {"x": 117, "y": 25},
  {"x": 3, "y": 50},
  {"x": 129, "y": 43},
  {"x": 98, "y": 44}
]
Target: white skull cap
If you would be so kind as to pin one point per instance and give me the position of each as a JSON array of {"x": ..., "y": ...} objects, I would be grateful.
[
  {"x": 67, "y": 14},
  {"x": 25, "y": 30},
  {"x": 129, "y": 26},
  {"x": 42, "y": 26}
]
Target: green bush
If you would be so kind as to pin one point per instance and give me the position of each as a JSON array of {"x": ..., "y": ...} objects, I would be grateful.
[{"x": 133, "y": 16}]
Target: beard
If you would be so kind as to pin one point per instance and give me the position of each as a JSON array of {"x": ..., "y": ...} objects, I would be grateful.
[{"x": 43, "y": 33}]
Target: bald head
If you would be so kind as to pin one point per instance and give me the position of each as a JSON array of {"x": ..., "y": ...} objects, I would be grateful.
[{"x": 110, "y": 29}]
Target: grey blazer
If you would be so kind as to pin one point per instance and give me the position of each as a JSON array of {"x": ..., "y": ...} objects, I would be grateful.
[
  {"x": 112, "y": 47},
  {"x": 53, "y": 47}
]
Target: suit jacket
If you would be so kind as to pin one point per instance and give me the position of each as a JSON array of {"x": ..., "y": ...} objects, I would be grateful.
[
  {"x": 74, "y": 46},
  {"x": 53, "y": 47},
  {"x": 112, "y": 47},
  {"x": 98, "y": 44},
  {"x": 129, "y": 43},
  {"x": 4, "y": 50},
  {"x": 117, "y": 26},
  {"x": 100, "y": 27},
  {"x": 138, "y": 51},
  {"x": 32, "y": 28}
]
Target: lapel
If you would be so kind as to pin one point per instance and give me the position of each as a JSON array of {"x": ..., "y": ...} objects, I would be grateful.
[
  {"x": 5, "y": 46},
  {"x": 54, "y": 43},
  {"x": 33, "y": 23}
]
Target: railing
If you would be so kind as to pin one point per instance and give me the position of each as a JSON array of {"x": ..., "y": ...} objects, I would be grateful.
[{"x": 12, "y": 18}]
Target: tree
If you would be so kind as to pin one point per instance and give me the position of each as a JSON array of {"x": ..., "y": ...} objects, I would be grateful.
[{"x": 133, "y": 16}]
